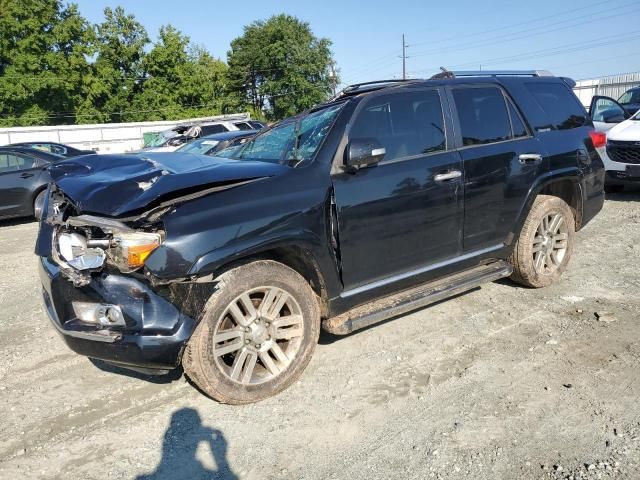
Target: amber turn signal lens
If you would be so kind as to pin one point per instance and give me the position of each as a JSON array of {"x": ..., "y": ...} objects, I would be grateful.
[{"x": 137, "y": 254}]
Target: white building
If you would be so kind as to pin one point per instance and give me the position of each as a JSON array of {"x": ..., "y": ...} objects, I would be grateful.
[{"x": 104, "y": 137}]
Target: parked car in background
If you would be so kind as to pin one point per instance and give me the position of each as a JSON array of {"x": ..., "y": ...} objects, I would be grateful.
[
  {"x": 392, "y": 196},
  {"x": 212, "y": 144},
  {"x": 23, "y": 180},
  {"x": 620, "y": 145},
  {"x": 55, "y": 148},
  {"x": 173, "y": 138},
  {"x": 630, "y": 100}
]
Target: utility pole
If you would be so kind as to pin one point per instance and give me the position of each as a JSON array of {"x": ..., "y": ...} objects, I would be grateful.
[{"x": 404, "y": 59}]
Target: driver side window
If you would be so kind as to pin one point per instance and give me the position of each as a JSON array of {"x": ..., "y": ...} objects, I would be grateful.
[
  {"x": 407, "y": 124},
  {"x": 12, "y": 162}
]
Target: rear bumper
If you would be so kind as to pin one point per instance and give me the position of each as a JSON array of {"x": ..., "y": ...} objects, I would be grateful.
[{"x": 155, "y": 332}]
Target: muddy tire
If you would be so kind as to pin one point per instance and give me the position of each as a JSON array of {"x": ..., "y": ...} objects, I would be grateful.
[
  {"x": 545, "y": 244},
  {"x": 257, "y": 334}
]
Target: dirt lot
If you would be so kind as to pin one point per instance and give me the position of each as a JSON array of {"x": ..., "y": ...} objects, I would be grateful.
[{"x": 503, "y": 382}]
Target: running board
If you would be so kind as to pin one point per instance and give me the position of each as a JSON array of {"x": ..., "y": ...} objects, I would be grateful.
[{"x": 415, "y": 298}]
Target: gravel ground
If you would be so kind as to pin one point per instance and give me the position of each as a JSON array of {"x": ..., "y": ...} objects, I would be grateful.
[{"x": 503, "y": 382}]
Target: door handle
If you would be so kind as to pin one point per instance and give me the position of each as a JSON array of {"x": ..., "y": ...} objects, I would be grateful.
[
  {"x": 443, "y": 177},
  {"x": 26, "y": 175},
  {"x": 530, "y": 158}
]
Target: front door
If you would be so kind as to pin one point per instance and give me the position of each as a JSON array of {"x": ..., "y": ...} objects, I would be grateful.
[
  {"x": 606, "y": 113},
  {"x": 404, "y": 213}
]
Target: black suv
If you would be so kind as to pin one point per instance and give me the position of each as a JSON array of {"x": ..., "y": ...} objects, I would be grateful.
[{"x": 388, "y": 198}]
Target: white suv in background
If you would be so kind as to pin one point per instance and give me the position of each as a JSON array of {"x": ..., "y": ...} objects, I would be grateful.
[{"x": 621, "y": 153}]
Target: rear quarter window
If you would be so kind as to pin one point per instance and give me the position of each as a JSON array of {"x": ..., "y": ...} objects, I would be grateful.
[{"x": 562, "y": 108}]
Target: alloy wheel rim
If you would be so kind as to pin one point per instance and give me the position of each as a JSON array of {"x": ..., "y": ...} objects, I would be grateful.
[
  {"x": 550, "y": 243},
  {"x": 258, "y": 335}
]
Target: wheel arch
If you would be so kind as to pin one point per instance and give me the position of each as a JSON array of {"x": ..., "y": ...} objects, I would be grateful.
[
  {"x": 296, "y": 257},
  {"x": 565, "y": 185}
]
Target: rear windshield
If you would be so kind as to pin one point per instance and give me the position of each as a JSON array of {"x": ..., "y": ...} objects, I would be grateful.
[{"x": 563, "y": 109}]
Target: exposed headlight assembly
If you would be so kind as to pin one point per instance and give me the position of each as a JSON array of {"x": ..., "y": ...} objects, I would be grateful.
[{"x": 129, "y": 250}]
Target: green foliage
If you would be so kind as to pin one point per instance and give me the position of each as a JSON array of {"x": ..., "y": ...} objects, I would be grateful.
[
  {"x": 43, "y": 48},
  {"x": 56, "y": 68},
  {"x": 279, "y": 67}
]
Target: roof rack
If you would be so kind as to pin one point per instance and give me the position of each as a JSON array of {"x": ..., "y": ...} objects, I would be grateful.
[
  {"x": 374, "y": 85},
  {"x": 494, "y": 73}
]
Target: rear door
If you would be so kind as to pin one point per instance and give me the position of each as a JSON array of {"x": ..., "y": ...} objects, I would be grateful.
[
  {"x": 404, "y": 214},
  {"x": 501, "y": 161},
  {"x": 18, "y": 175}
]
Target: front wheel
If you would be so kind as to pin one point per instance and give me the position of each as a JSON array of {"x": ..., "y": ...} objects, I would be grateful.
[
  {"x": 257, "y": 334},
  {"x": 545, "y": 244}
]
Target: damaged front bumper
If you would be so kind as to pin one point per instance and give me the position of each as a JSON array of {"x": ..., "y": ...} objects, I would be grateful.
[{"x": 154, "y": 333}]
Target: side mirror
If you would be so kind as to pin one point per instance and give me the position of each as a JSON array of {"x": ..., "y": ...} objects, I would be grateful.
[{"x": 363, "y": 152}]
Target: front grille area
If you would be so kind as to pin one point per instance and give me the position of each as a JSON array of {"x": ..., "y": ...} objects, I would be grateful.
[{"x": 624, "y": 152}]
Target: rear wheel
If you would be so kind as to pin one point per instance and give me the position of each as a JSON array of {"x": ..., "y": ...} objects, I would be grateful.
[
  {"x": 543, "y": 249},
  {"x": 257, "y": 334}
]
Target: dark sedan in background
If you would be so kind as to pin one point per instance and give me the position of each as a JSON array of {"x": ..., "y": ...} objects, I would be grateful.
[
  {"x": 23, "y": 180},
  {"x": 213, "y": 144},
  {"x": 55, "y": 148}
]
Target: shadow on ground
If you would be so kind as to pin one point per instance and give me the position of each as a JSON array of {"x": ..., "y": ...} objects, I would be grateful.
[{"x": 179, "y": 450}]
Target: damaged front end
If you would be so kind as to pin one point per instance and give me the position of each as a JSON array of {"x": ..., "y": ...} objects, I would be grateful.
[
  {"x": 104, "y": 222},
  {"x": 82, "y": 244}
]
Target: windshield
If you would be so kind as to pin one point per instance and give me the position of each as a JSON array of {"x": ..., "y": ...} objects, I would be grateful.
[
  {"x": 295, "y": 140},
  {"x": 201, "y": 146}
]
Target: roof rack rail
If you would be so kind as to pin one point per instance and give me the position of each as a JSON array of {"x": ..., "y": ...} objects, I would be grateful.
[
  {"x": 356, "y": 87},
  {"x": 495, "y": 73}
]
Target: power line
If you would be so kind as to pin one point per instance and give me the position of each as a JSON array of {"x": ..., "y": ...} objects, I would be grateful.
[
  {"x": 567, "y": 48},
  {"x": 534, "y": 31},
  {"x": 513, "y": 25}
]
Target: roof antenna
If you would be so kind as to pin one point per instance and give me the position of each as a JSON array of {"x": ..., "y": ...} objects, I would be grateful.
[{"x": 443, "y": 75}]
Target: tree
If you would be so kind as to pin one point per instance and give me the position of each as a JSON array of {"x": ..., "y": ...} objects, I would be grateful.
[
  {"x": 180, "y": 80},
  {"x": 279, "y": 67},
  {"x": 43, "y": 57},
  {"x": 117, "y": 72}
]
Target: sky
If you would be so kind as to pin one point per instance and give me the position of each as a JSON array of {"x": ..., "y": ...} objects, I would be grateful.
[{"x": 581, "y": 40}]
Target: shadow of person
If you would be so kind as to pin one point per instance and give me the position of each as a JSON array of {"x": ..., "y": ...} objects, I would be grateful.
[{"x": 179, "y": 450}]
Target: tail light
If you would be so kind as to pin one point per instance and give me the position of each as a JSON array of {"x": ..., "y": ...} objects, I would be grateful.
[{"x": 599, "y": 139}]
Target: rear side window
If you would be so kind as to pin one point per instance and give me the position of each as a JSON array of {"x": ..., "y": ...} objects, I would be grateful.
[
  {"x": 243, "y": 126},
  {"x": 406, "y": 124},
  {"x": 563, "y": 109},
  {"x": 483, "y": 115},
  {"x": 211, "y": 129}
]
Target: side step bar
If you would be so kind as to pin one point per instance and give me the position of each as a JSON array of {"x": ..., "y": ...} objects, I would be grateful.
[{"x": 415, "y": 298}]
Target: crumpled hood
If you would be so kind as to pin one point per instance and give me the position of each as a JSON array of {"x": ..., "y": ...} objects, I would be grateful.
[{"x": 113, "y": 185}]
